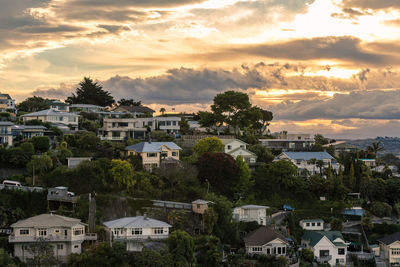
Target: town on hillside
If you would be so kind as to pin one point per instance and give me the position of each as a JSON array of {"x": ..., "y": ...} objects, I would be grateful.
[{"x": 90, "y": 181}]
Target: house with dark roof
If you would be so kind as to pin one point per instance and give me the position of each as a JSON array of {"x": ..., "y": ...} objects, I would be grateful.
[
  {"x": 389, "y": 247},
  {"x": 236, "y": 147},
  {"x": 137, "y": 231},
  {"x": 266, "y": 241},
  {"x": 308, "y": 161},
  {"x": 7, "y": 104},
  {"x": 152, "y": 153},
  {"x": 329, "y": 247}
]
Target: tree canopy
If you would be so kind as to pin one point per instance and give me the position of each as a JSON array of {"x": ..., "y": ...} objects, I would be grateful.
[
  {"x": 90, "y": 92},
  {"x": 33, "y": 104},
  {"x": 129, "y": 102}
]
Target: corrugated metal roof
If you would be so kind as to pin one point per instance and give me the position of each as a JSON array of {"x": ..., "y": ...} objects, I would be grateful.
[
  {"x": 135, "y": 222},
  {"x": 152, "y": 146},
  {"x": 49, "y": 112},
  {"x": 308, "y": 155},
  {"x": 47, "y": 220}
]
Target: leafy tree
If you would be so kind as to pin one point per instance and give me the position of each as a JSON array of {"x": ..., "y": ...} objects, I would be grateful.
[
  {"x": 181, "y": 246},
  {"x": 88, "y": 141},
  {"x": 210, "y": 218},
  {"x": 43, "y": 254},
  {"x": 129, "y": 102},
  {"x": 208, "y": 144},
  {"x": 262, "y": 152},
  {"x": 33, "y": 104},
  {"x": 90, "y": 92},
  {"x": 42, "y": 164},
  {"x": 122, "y": 173},
  {"x": 208, "y": 251},
  {"x": 101, "y": 254},
  {"x": 220, "y": 170},
  {"x": 351, "y": 180},
  {"x": 40, "y": 143},
  {"x": 381, "y": 209},
  {"x": 153, "y": 258},
  {"x": 28, "y": 149},
  {"x": 177, "y": 218},
  {"x": 244, "y": 177},
  {"x": 184, "y": 126},
  {"x": 320, "y": 139},
  {"x": 5, "y": 259},
  {"x": 367, "y": 223},
  {"x": 336, "y": 224},
  {"x": 161, "y": 136}
]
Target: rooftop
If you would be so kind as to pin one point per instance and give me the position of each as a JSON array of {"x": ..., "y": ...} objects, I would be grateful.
[
  {"x": 135, "y": 222},
  {"x": 48, "y": 112},
  {"x": 315, "y": 236},
  {"x": 47, "y": 220},
  {"x": 253, "y": 207},
  {"x": 308, "y": 155},
  {"x": 133, "y": 109},
  {"x": 390, "y": 238},
  {"x": 262, "y": 236},
  {"x": 152, "y": 146}
]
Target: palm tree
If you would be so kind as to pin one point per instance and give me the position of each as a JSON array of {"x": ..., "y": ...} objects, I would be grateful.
[
  {"x": 313, "y": 162},
  {"x": 162, "y": 110},
  {"x": 320, "y": 164},
  {"x": 375, "y": 147}
]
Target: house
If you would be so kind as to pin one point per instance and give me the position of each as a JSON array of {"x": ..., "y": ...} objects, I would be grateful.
[
  {"x": 55, "y": 117},
  {"x": 135, "y": 111},
  {"x": 289, "y": 142},
  {"x": 64, "y": 234},
  {"x": 75, "y": 161},
  {"x": 308, "y": 161},
  {"x": 312, "y": 224},
  {"x": 389, "y": 247},
  {"x": 369, "y": 162},
  {"x": 375, "y": 249},
  {"x": 61, "y": 194},
  {"x": 266, "y": 241},
  {"x": 250, "y": 213},
  {"x": 84, "y": 108},
  {"x": 341, "y": 147},
  {"x": 235, "y": 148},
  {"x": 358, "y": 211},
  {"x": 199, "y": 206},
  {"x": 28, "y": 131},
  {"x": 7, "y": 104},
  {"x": 152, "y": 153},
  {"x": 6, "y": 137},
  {"x": 328, "y": 246},
  {"x": 137, "y": 231},
  {"x": 59, "y": 106}
]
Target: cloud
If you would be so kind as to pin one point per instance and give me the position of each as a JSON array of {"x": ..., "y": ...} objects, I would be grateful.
[
  {"x": 371, "y": 4},
  {"x": 378, "y": 104}
]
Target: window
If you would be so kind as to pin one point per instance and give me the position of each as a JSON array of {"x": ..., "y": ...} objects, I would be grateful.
[
  {"x": 24, "y": 232},
  {"x": 57, "y": 231},
  {"x": 307, "y": 224},
  {"x": 279, "y": 250},
  {"x": 283, "y": 250},
  {"x": 174, "y": 154},
  {"x": 395, "y": 251},
  {"x": 151, "y": 155},
  {"x": 318, "y": 224},
  {"x": 312, "y": 224},
  {"x": 158, "y": 231},
  {"x": 229, "y": 147},
  {"x": 136, "y": 231},
  {"x": 161, "y": 123},
  {"x": 60, "y": 246},
  {"x": 268, "y": 251},
  {"x": 123, "y": 124},
  {"x": 25, "y": 247},
  {"x": 164, "y": 154},
  {"x": 341, "y": 251},
  {"x": 257, "y": 249},
  {"x": 150, "y": 123},
  {"x": 174, "y": 123},
  {"x": 76, "y": 246},
  {"x": 42, "y": 232},
  {"x": 71, "y": 119},
  {"x": 242, "y": 146},
  {"x": 323, "y": 253},
  {"x": 168, "y": 123},
  {"x": 78, "y": 231}
]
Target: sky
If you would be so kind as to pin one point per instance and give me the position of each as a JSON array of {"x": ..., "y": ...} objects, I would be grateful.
[{"x": 322, "y": 66}]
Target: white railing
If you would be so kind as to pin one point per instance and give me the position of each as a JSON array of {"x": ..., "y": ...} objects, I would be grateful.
[
  {"x": 13, "y": 238},
  {"x": 112, "y": 138},
  {"x": 90, "y": 236}
]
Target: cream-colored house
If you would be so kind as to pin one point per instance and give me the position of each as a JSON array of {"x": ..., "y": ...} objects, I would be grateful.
[
  {"x": 266, "y": 241},
  {"x": 65, "y": 234},
  {"x": 250, "y": 213},
  {"x": 6, "y": 133},
  {"x": 54, "y": 117},
  {"x": 389, "y": 248},
  {"x": 199, "y": 206},
  {"x": 153, "y": 153},
  {"x": 137, "y": 231},
  {"x": 235, "y": 148},
  {"x": 312, "y": 224}
]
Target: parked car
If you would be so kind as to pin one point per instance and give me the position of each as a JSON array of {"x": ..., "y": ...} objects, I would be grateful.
[
  {"x": 287, "y": 208},
  {"x": 70, "y": 194},
  {"x": 12, "y": 183}
]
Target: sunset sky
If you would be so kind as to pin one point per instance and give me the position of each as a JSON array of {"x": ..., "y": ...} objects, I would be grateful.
[{"x": 322, "y": 66}]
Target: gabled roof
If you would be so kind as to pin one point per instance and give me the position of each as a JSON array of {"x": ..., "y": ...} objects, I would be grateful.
[
  {"x": 312, "y": 220},
  {"x": 135, "y": 222},
  {"x": 49, "y": 112},
  {"x": 6, "y": 96},
  {"x": 315, "y": 236},
  {"x": 201, "y": 201},
  {"x": 226, "y": 141},
  {"x": 133, "y": 109},
  {"x": 243, "y": 149},
  {"x": 262, "y": 236},
  {"x": 152, "y": 146},
  {"x": 390, "y": 238},
  {"x": 253, "y": 207},
  {"x": 308, "y": 155},
  {"x": 47, "y": 220}
]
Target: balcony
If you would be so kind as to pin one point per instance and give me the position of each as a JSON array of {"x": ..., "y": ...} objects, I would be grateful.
[
  {"x": 140, "y": 237},
  {"x": 49, "y": 238},
  {"x": 91, "y": 236},
  {"x": 324, "y": 259},
  {"x": 112, "y": 138}
]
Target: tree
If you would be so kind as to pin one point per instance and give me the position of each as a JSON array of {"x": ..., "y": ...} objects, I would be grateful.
[
  {"x": 33, "y": 104},
  {"x": 5, "y": 259},
  {"x": 244, "y": 177},
  {"x": 129, "y": 102},
  {"x": 210, "y": 218},
  {"x": 87, "y": 141},
  {"x": 208, "y": 144},
  {"x": 40, "y": 143},
  {"x": 336, "y": 224},
  {"x": 153, "y": 258},
  {"x": 41, "y": 165},
  {"x": 90, "y": 92},
  {"x": 320, "y": 164},
  {"x": 162, "y": 110},
  {"x": 208, "y": 252},
  {"x": 177, "y": 218},
  {"x": 43, "y": 254},
  {"x": 262, "y": 152},
  {"x": 320, "y": 139},
  {"x": 307, "y": 255},
  {"x": 374, "y": 148},
  {"x": 367, "y": 223},
  {"x": 184, "y": 126},
  {"x": 122, "y": 173},
  {"x": 181, "y": 246},
  {"x": 381, "y": 209}
]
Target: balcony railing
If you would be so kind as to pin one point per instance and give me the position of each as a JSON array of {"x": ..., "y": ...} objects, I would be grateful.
[
  {"x": 140, "y": 237},
  {"x": 90, "y": 236},
  {"x": 12, "y": 238},
  {"x": 112, "y": 138},
  {"x": 324, "y": 259}
]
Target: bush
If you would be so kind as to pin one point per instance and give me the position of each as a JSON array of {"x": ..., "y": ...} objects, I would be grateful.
[
  {"x": 381, "y": 209},
  {"x": 40, "y": 143}
]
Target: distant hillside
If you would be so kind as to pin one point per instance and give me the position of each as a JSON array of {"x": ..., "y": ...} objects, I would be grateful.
[{"x": 391, "y": 144}]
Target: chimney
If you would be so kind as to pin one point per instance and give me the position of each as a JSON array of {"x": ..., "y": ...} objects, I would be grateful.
[{"x": 145, "y": 216}]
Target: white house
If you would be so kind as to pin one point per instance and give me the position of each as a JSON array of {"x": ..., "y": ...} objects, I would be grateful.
[
  {"x": 152, "y": 153},
  {"x": 250, "y": 213},
  {"x": 54, "y": 117},
  {"x": 75, "y": 161},
  {"x": 304, "y": 161},
  {"x": 137, "y": 231},
  {"x": 65, "y": 234},
  {"x": 7, "y": 104},
  {"x": 266, "y": 241},
  {"x": 6, "y": 133},
  {"x": 328, "y": 246},
  {"x": 28, "y": 131},
  {"x": 235, "y": 148},
  {"x": 389, "y": 249},
  {"x": 312, "y": 224}
]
